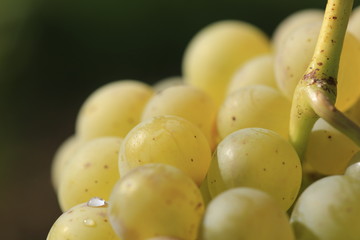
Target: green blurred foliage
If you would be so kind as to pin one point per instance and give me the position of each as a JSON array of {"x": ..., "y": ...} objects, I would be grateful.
[{"x": 54, "y": 53}]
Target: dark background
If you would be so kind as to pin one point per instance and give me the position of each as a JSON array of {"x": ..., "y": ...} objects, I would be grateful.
[{"x": 54, "y": 53}]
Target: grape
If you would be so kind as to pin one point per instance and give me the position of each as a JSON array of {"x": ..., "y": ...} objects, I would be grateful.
[
  {"x": 294, "y": 21},
  {"x": 254, "y": 106},
  {"x": 156, "y": 200},
  {"x": 92, "y": 171},
  {"x": 113, "y": 109},
  {"x": 353, "y": 168},
  {"x": 292, "y": 59},
  {"x": 245, "y": 213},
  {"x": 217, "y": 51},
  {"x": 188, "y": 102},
  {"x": 258, "y": 70},
  {"x": 354, "y": 22},
  {"x": 83, "y": 222},
  {"x": 328, "y": 150},
  {"x": 168, "y": 82},
  {"x": 258, "y": 158},
  {"x": 328, "y": 209},
  {"x": 167, "y": 139},
  {"x": 61, "y": 158}
]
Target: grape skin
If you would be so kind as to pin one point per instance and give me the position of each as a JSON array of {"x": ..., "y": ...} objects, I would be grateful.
[
  {"x": 257, "y": 158},
  {"x": 92, "y": 171},
  {"x": 328, "y": 150},
  {"x": 113, "y": 109},
  {"x": 245, "y": 213},
  {"x": 167, "y": 139},
  {"x": 253, "y": 106},
  {"x": 217, "y": 51},
  {"x": 185, "y": 101},
  {"x": 83, "y": 222},
  {"x": 328, "y": 209},
  {"x": 156, "y": 200}
]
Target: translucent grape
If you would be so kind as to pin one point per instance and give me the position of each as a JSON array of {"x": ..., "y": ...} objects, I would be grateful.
[
  {"x": 93, "y": 171},
  {"x": 245, "y": 213},
  {"x": 83, "y": 222},
  {"x": 258, "y": 70},
  {"x": 328, "y": 209},
  {"x": 292, "y": 59},
  {"x": 168, "y": 82},
  {"x": 62, "y": 157},
  {"x": 294, "y": 21},
  {"x": 188, "y": 102},
  {"x": 113, "y": 109},
  {"x": 167, "y": 139},
  {"x": 156, "y": 200},
  {"x": 257, "y": 158},
  {"x": 328, "y": 150},
  {"x": 254, "y": 106},
  {"x": 354, "y": 22},
  {"x": 217, "y": 51}
]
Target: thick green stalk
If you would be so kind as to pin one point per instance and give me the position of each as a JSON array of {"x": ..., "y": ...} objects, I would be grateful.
[{"x": 315, "y": 94}]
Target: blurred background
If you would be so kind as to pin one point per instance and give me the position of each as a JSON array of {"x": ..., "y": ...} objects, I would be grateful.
[{"x": 53, "y": 54}]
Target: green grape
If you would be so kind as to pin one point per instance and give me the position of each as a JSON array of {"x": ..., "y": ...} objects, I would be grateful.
[
  {"x": 254, "y": 106},
  {"x": 329, "y": 209},
  {"x": 245, "y": 213},
  {"x": 328, "y": 150},
  {"x": 156, "y": 200},
  {"x": 353, "y": 168},
  {"x": 113, "y": 109},
  {"x": 168, "y": 82},
  {"x": 167, "y": 139},
  {"x": 204, "y": 189},
  {"x": 292, "y": 59},
  {"x": 258, "y": 70},
  {"x": 85, "y": 221},
  {"x": 217, "y": 51},
  {"x": 257, "y": 158},
  {"x": 188, "y": 102},
  {"x": 92, "y": 171},
  {"x": 354, "y": 22},
  {"x": 61, "y": 158},
  {"x": 294, "y": 21}
]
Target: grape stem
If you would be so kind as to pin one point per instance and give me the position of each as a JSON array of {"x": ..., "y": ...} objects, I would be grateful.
[{"x": 315, "y": 94}]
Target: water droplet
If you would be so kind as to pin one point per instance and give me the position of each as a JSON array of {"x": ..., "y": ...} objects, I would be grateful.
[
  {"x": 89, "y": 222},
  {"x": 97, "y": 202}
]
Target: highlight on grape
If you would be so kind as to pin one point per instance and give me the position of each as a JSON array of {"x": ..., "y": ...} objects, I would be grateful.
[{"x": 258, "y": 139}]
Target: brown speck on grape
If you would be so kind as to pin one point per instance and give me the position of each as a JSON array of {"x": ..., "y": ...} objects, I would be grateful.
[
  {"x": 198, "y": 205},
  {"x": 105, "y": 220},
  {"x": 153, "y": 139},
  {"x": 106, "y": 166},
  {"x": 334, "y": 18},
  {"x": 86, "y": 190},
  {"x": 264, "y": 169},
  {"x": 139, "y": 161},
  {"x": 96, "y": 181},
  {"x": 320, "y": 63},
  {"x": 283, "y": 163},
  {"x": 195, "y": 136},
  {"x": 322, "y": 50},
  {"x": 329, "y": 137},
  {"x": 283, "y": 198},
  {"x": 191, "y": 159},
  {"x": 233, "y": 118},
  {"x": 87, "y": 165}
]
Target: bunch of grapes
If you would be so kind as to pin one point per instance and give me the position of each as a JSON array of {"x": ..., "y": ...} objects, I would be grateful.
[{"x": 240, "y": 146}]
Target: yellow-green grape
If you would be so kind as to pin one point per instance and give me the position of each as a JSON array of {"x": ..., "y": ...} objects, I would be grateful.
[
  {"x": 294, "y": 21},
  {"x": 113, "y": 109},
  {"x": 328, "y": 150},
  {"x": 293, "y": 57},
  {"x": 167, "y": 82},
  {"x": 156, "y": 200},
  {"x": 163, "y": 238},
  {"x": 354, "y": 112},
  {"x": 93, "y": 171},
  {"x": 188, "y": 102},
  {"x": 204, "y": 189},
  {"x": 328, "y": 209},
  {"x": 167, "y": 139},
  {"x": 353, "y": 168},
  {"x": 245, "y": 213},
  {"x": 254, "y": 106},
  {"x": 257, "y": 158},
  {"x": 258, "y": 70},
  {"x": 62, "y": 157},
  {"x": 85, "y": 221},
  {"x": 217, "y": 51},
  {"x": 354, "y": 22}
]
